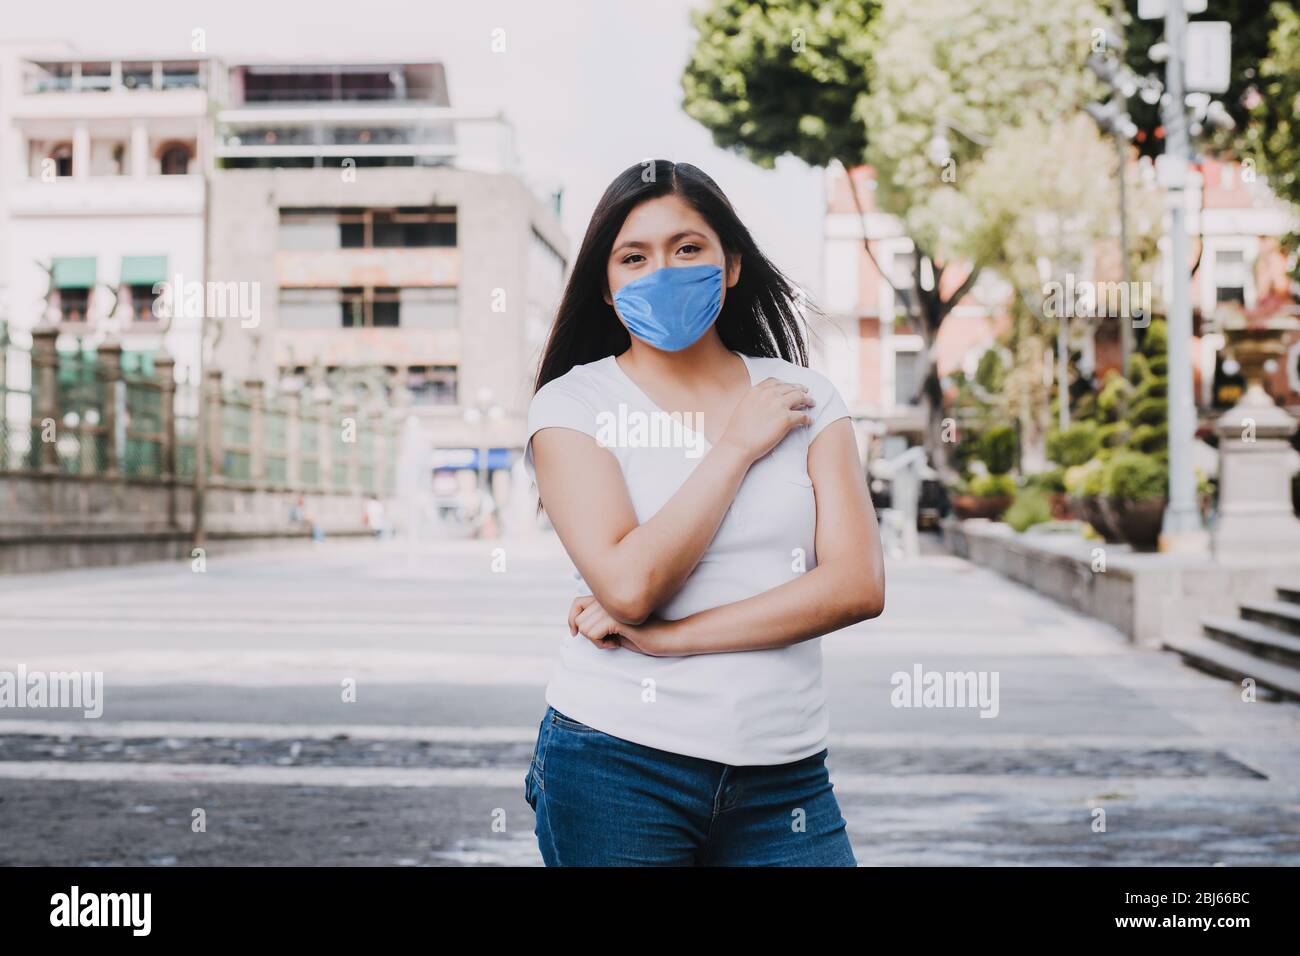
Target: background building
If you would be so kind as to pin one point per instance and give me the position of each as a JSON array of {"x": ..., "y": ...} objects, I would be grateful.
[
  {"x": 103, "y": 192},
  {"x": 392, "y": 239}
]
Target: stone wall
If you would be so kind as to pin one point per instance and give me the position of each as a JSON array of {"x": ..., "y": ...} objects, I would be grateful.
[
  {"x": 1145, "y": 596},
  {"x": 48, "y": 522}
]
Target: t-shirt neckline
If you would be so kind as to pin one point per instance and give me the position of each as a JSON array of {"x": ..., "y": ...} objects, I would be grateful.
[{"x": 654, "y": 406}]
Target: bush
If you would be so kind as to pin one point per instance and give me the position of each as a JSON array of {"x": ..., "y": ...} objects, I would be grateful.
[
  {"x": 1156, "y": 341},
  {"x": 1074, "y": 446},
  {"x": 998, "y": 449},
  {"x": 1134, "y": 476},
  {"x": 1093, "y": 481},
  {"x": 1051, "y": 481},
  {"x": 992, "y": 486},
  {"x": 1150, "y": 411},
  {"x": 1156, "y": 386},
  {"x": 1150, "y": 439},
  {"x": 1086, "y": 407},
  {"x": 1138, "y": 367},
  {"x": 1113, "y": 434},
  {"x": 990, "y": 374},
  {"x": 1030, "y": 507},
  {"x": 1113, "y": 396},
  {"x": 1076, "y": 476}
]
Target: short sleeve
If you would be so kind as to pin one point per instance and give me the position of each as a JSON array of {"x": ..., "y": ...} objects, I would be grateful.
[
  {"x": 556, "y": 406},
  {"x": 830, "y": 407}
]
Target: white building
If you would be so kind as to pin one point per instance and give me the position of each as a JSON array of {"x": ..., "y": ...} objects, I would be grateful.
[{"x": 102, "y": 192}]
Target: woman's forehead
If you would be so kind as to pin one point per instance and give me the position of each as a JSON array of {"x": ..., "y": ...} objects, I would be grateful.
[{"x": 660, "y": 218}]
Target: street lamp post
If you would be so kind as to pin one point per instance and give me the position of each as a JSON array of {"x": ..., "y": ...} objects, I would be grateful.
[
  {"x": 1181, "y": 530},
  {"x": 484, "y": 411}
]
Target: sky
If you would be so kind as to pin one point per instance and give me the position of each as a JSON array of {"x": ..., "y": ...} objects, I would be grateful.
[{"x": 590, "y": 86}]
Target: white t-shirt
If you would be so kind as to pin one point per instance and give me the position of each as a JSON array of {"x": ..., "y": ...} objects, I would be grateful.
[{"x": 740, "y": 708}]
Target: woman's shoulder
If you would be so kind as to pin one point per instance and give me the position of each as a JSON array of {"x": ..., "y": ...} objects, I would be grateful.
[
  {"x": 779, "y": 368},
  {"x": 582, "y": 382}
]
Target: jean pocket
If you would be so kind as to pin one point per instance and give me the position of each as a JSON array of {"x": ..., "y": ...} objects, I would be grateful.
[
  {"x": 568, "y": 723},
  {"x": 530, "y": 786}
]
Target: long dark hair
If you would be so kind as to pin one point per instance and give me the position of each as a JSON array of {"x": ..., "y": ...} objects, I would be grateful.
[{"x": 758, "y": 318}]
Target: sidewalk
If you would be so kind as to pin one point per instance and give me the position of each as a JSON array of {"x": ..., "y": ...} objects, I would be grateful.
[{"x": 224, "y": 690}]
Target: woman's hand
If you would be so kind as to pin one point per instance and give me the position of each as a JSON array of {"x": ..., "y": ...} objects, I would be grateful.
[
  {"x": 654, "y": 637},
  {"x": 765, "y": 415}
]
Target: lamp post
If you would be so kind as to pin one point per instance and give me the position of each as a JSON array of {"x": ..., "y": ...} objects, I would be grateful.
[
  {"x": 1181, "y": 530},
  {"x": 482, "y": 413}
]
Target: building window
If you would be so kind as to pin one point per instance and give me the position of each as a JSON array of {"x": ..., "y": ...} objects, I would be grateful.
[
  {"x": 901, "y": 270},
  {"x": 181, "y": 75},
  {"x": 370, "y": 307},
  {"x": 353, "y": 304},
  {"x": 385, "y": 307},
  {"x": 406, "y": 227},
  {"x": 142, "y": 299},
  {"x": 1230, "y": 276},
  {"x": 907, "y": 376},
  {"x": 61, "y": 156},
  {"x": 74, "y": 305},
  {"x": 432, "y": 384},
  {"x": 175, "y": 160},
  {"x": 96, "y": 77},
  {"x": 137, "y": 76}
]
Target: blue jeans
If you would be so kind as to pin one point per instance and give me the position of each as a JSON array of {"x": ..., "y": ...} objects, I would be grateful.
[{"x": 603, "y": 801}]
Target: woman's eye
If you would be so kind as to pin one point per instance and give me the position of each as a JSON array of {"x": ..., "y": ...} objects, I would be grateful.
[
  {"x": 689, "y": 247},
  {"x": 631, "y": 258}
]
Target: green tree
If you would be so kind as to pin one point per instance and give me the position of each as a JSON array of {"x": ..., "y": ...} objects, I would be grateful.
[
  {"x": 952, "y": 81},
  {"x": 854, "y": 82},
  {"x": 1252, "y": 21},
  {"x": 1273, "y": 133}
]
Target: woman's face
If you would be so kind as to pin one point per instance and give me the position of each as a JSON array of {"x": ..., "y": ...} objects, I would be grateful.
[{"x": 662, "y": 233}]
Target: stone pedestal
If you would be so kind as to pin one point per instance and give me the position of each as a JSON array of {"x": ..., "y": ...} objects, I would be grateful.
[{"x": 1255, "y": 514}]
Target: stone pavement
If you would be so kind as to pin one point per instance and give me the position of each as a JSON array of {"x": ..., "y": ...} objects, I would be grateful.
[{"x": 224, "y": 692}]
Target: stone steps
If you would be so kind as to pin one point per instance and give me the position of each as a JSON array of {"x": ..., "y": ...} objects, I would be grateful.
[
  {"x": 1219, "y": 659},
  {"x": 1263, "y": 644},
  {"x": 1282, "y": 615},
  {"x": 1254, "y": 638}
]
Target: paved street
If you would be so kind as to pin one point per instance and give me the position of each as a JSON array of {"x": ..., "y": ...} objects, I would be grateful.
[{"x": 224, "y": 691}]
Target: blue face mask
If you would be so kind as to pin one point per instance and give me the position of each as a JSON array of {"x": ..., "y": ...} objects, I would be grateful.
[{"x": 671, "y": 308}]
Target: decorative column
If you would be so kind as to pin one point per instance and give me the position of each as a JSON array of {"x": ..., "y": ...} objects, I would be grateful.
[
  {"x": 214, "y": 429},
  {"x": 350, "y": 409},
  {"x": 1255, "y": 514},
  {"x": 80, "y": 151},
  {"x": 139, "y": 150},
  {"x": 256, "y": 393},
  {"x": 113, "y": 414},
  {"x": 45, "y": 371},
  {"x": 164, "y": 367},
  {"x": 165, "y": 372},
  {"x": 293, "y": 437}
]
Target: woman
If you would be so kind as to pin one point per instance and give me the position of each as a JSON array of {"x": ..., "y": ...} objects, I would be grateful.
[{"x": 708, "y": 489}]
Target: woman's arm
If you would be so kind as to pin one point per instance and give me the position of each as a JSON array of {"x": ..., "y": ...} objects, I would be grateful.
[
  {"x": 846, "y": 586},
  {"x": 632, "y": 568}
]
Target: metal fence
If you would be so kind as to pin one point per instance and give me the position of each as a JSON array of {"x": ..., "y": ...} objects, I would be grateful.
[{"x": 103, "y": 411}]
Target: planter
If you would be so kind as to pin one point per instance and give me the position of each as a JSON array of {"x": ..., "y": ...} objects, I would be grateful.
[
  {"x": 991, "y": 507},
  {"x": 1094, "y": 510},
  {"x": 1139, "y": 521},
  {"x": 1077, "y": 506}
]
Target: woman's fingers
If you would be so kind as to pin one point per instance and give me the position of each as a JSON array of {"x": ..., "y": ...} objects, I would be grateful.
[{"x": 579, "y": 605}]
